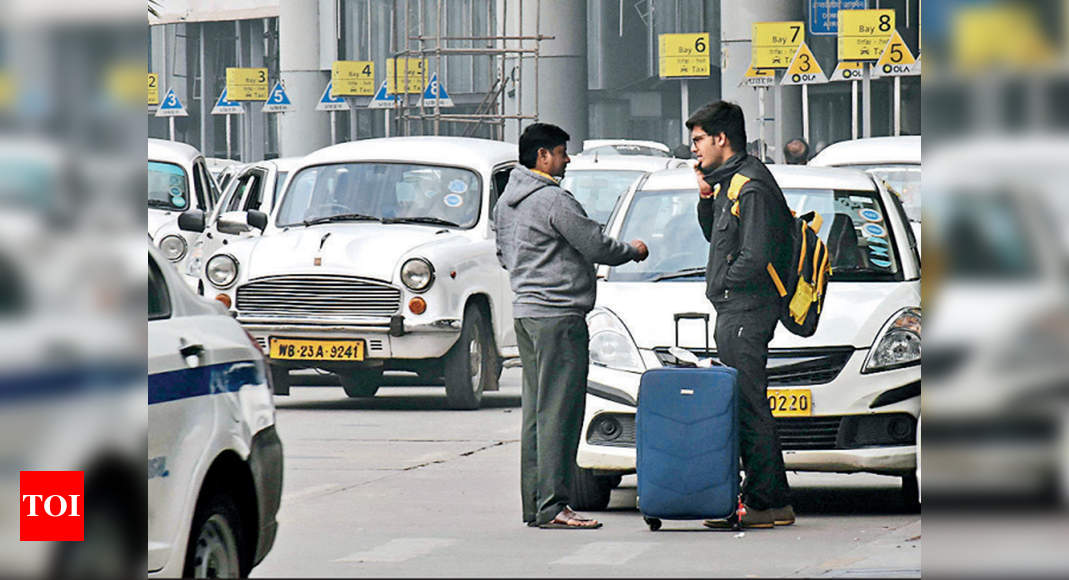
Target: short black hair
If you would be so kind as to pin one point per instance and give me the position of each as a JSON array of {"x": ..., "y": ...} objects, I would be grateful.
[
  {"x": 537, "y": 136},
  {"x": 722, "y": 117},
  {"x": 796, "y": 152}
]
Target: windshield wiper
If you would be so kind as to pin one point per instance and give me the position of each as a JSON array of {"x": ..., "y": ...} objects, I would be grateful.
[
  {"x": 421, "y": 220},
  {"x": 684, "y": 273},
  {"x": 160, "y": 204},
  {"x": 342, "y": 217}
]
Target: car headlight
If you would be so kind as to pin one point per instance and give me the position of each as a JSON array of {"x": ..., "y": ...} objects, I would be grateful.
[
  {"x": 196, "y": 259},
  {"x": 611, "y": 344},
  {"x": 417, "y": 274},
  {"x": 173, "y": 247},
  {"x": 222, "y": 270},
  {"x": 898, "y": 344}
]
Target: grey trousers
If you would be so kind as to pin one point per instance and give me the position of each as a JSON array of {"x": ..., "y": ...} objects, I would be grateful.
[{"x": 555, "y": 356}]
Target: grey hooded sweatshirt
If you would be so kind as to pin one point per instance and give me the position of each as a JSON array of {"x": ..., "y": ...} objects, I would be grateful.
[{"x": 549, "y": 246}]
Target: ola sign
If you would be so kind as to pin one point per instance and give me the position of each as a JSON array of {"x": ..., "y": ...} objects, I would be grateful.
[
  {"x": 848, "y": 71},
  {"x": 896, "y": 60},
  {"x": 804, "y": 69}
]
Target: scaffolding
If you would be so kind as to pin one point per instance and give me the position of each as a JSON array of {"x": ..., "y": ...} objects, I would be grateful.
[{"x": 492, "y": 111}]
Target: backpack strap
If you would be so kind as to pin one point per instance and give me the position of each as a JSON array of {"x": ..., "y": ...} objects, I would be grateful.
[
  {"x": 734, "y": 188},
  {"x": 776, "y": 280}
]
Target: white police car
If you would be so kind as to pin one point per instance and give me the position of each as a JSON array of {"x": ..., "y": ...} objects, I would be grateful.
[{"x": 214, "y": 457}]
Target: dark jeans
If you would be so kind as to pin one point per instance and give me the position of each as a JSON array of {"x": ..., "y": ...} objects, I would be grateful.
[
  {"x": 555, "y": 356},
  {"x": 742, "y": 339}
]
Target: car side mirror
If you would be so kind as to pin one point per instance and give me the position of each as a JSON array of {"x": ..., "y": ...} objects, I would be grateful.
[
  {"x": 191, "y": 220},
  {"x": 257, "y": 219},
  {"x": 231, "y": 227}
]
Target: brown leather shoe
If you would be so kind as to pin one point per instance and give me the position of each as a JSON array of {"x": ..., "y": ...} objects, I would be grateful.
[
  {"x": 759, "y": 519},
  {"x": 783, "y": 516}
]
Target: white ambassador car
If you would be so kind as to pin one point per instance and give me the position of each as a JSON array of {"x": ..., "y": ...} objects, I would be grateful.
[
  {"x": 255, "y": 187},
  {"x": 845, "y": 400},
  {"x": 380, "y": 256},
  {"x": 597, "y": 180},
  {"x": 214, "y": 457},
  {"x": 178, "y": 180}
]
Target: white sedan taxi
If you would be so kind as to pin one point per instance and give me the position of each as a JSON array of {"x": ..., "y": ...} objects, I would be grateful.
[
  {"x": 845, "y": 400},
  {"x": 380, "y": 255},
  {"x": 178, "y": 181}
]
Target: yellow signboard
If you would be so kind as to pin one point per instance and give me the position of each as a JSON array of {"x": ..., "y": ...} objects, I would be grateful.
[
  {"x": 774, "y": 43},
  {"x": 684, "y": 55},
  {"x": 804, "y": 69},
  {"x": 7, "y": 90},
  {"x": 895, "y": 60},
  {"x": 864, "y": 33},
  {"x": 756, "y": 77},
  {"x": 409, "y": 83},
  {"x": 848, "y": 71},
  {"x": 246, "y": 84},
  {"x": 353, "y": 78},
  {"x": 153, "y": 89}
]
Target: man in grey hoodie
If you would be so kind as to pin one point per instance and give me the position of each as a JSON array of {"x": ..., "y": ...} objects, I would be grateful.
[{"x": 549, "y": 246}]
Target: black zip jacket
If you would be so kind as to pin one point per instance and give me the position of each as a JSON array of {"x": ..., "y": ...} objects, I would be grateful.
[{"x": 747, "y": 223}]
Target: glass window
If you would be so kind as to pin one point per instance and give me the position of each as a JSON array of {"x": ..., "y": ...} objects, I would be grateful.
[
  {"x": 168, "y": 186},
  {"x": 159, "y": 299},
  {"x": 256, "y": 191},
  {"x": 854, "y": 226},
  {"x": 905, "y": 180},
  {"x": 280, "y": 180},
  {"x": 598, "y": 190},
  {"x": 390, "y": 191},
  {"x": 984, "y": 236},
  {"x": 627, "y": 149}
]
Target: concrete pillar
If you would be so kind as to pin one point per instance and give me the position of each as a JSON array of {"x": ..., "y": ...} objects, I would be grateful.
[
  {"x": 303, "y": 130},
  {"x": 736, "y": 28},
  {"x": 561, "y": 97}
]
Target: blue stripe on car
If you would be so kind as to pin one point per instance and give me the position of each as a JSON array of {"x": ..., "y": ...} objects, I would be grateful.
[{"x": 209, "y": 380}]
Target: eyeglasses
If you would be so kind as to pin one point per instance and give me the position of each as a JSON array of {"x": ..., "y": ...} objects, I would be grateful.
[{"x": 698, "y": 139}]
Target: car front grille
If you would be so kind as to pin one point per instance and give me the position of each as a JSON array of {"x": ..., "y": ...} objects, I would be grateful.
[
  {"x": 330, "y": 296},
  {"x": 796, "y": 433},
  {"x": 788, "y": 367}
]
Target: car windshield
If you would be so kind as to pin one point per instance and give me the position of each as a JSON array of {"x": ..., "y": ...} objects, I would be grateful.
[
  {"x": 598, "y": 190},
  {"x": 168, "y": 186},
  {"x": 984, "y": 236},
  {"x": 390, "y": 191},
  {"x": 860, "y": 240},
  {"x": 905, "y": 180}
]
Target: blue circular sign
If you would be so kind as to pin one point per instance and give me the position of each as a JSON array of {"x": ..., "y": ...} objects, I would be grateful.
[
  {"x": 453, "y": 200},
  {"x": 873, "y": 230},
  {"x": 458, "y": 186},
  {"x": 871, "y": 215},
  {"x": 178, "y": 201}
]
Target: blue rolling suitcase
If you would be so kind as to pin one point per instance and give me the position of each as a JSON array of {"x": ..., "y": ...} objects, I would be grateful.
[{"x": 688, "y": 443}]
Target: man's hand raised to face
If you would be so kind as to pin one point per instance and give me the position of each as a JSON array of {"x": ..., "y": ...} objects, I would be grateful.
[
  {"x": 703, "y": 186},
  {"x": 643, "y": 251}
]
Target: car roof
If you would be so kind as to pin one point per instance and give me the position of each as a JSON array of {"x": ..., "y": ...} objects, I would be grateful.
[
  {"x": 464, "y": 151},
  {"x": 622, "y": 162},
  {"x": 280, "y": 163},
  {"x": 904, "y": 149},
  {"x": 974, "y": 162},
  {"x": 589, "y": 144},
  {"x": 787, "y": 176},
  {"x": 171, "y": 151}
]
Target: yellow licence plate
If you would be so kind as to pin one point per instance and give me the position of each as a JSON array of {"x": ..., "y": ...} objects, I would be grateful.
[
  {"x": 790, "y": 402},
  {"x": 298, "y": 349}
]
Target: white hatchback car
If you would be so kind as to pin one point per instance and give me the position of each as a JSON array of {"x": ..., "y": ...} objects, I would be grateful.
[
  {"x": 598, "y": 181},
  {"x": 255, "y": 187},
  {"x": 178, "y": 180},
  {"x": 214, "y": 457},
  {"x": 845, "y": 400},
  {"x": 380, "y": 256}
]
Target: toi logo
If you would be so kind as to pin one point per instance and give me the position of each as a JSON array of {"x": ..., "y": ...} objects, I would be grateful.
[{"x": 51, "y": 506}]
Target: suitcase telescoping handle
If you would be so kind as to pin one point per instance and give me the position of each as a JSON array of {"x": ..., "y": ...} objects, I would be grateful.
[{"x": 692, "y": 316}]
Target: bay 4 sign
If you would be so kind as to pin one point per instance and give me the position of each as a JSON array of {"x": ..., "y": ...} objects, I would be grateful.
[
  {"x": 278, "y": 101},
  {"x": 804, "y": 69}
]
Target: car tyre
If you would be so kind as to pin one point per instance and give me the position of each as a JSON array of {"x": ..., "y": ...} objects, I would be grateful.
[
  {"x": 911, "y": 493},
  {"x": 468, "y": 363},
  {"x": 280, "y": 380},
  {"x": 361, "y": 383},
  {"x": 589, "y": 491},
  {"x": 216, "y": 541}
]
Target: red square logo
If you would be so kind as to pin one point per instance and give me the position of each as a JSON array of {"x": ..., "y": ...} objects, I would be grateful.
[{"x": 51, "y": 506}]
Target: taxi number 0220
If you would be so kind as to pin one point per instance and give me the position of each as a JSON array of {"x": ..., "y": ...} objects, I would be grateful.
[{"x": 790, "y": 402}]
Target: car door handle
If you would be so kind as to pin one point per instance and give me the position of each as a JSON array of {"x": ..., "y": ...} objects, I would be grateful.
[{"x": 191, "y": 350}]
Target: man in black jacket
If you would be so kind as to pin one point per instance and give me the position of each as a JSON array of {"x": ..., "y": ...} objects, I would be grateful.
[{"x": 743, "y": 214}]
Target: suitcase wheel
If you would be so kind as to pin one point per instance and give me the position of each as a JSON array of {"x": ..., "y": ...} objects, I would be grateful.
[{"x": 653, "y": 523}]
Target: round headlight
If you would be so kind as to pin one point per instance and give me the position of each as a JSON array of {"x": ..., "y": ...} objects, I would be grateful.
[
  {"x": 222, "y": 270},
  {"x": 417, "y": 274},
  {"x": 173, "y": 247}
]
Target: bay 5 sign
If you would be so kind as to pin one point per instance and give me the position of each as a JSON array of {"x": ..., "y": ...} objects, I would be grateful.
[{"x": 51, "y": 506}]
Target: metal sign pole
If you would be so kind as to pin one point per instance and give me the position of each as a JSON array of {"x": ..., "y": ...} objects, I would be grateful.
[
  {"x": 386, "y": 120},
  {"x": 170, "y": 123},
  {"x": 866, "y": 102},
  {"x": 805, "y": 113},
  {"x": 333, "y": 128},
  {"x": 352, "y": 119},
  {"x": 684, "y": 94},
  {"x": 778, "y": 120},
  {"x": 898, "y": 106},
  {"x": 761, "y": 125},
  {"x": 853, "y": 109},
  {"x": 228, "y": 137}
]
